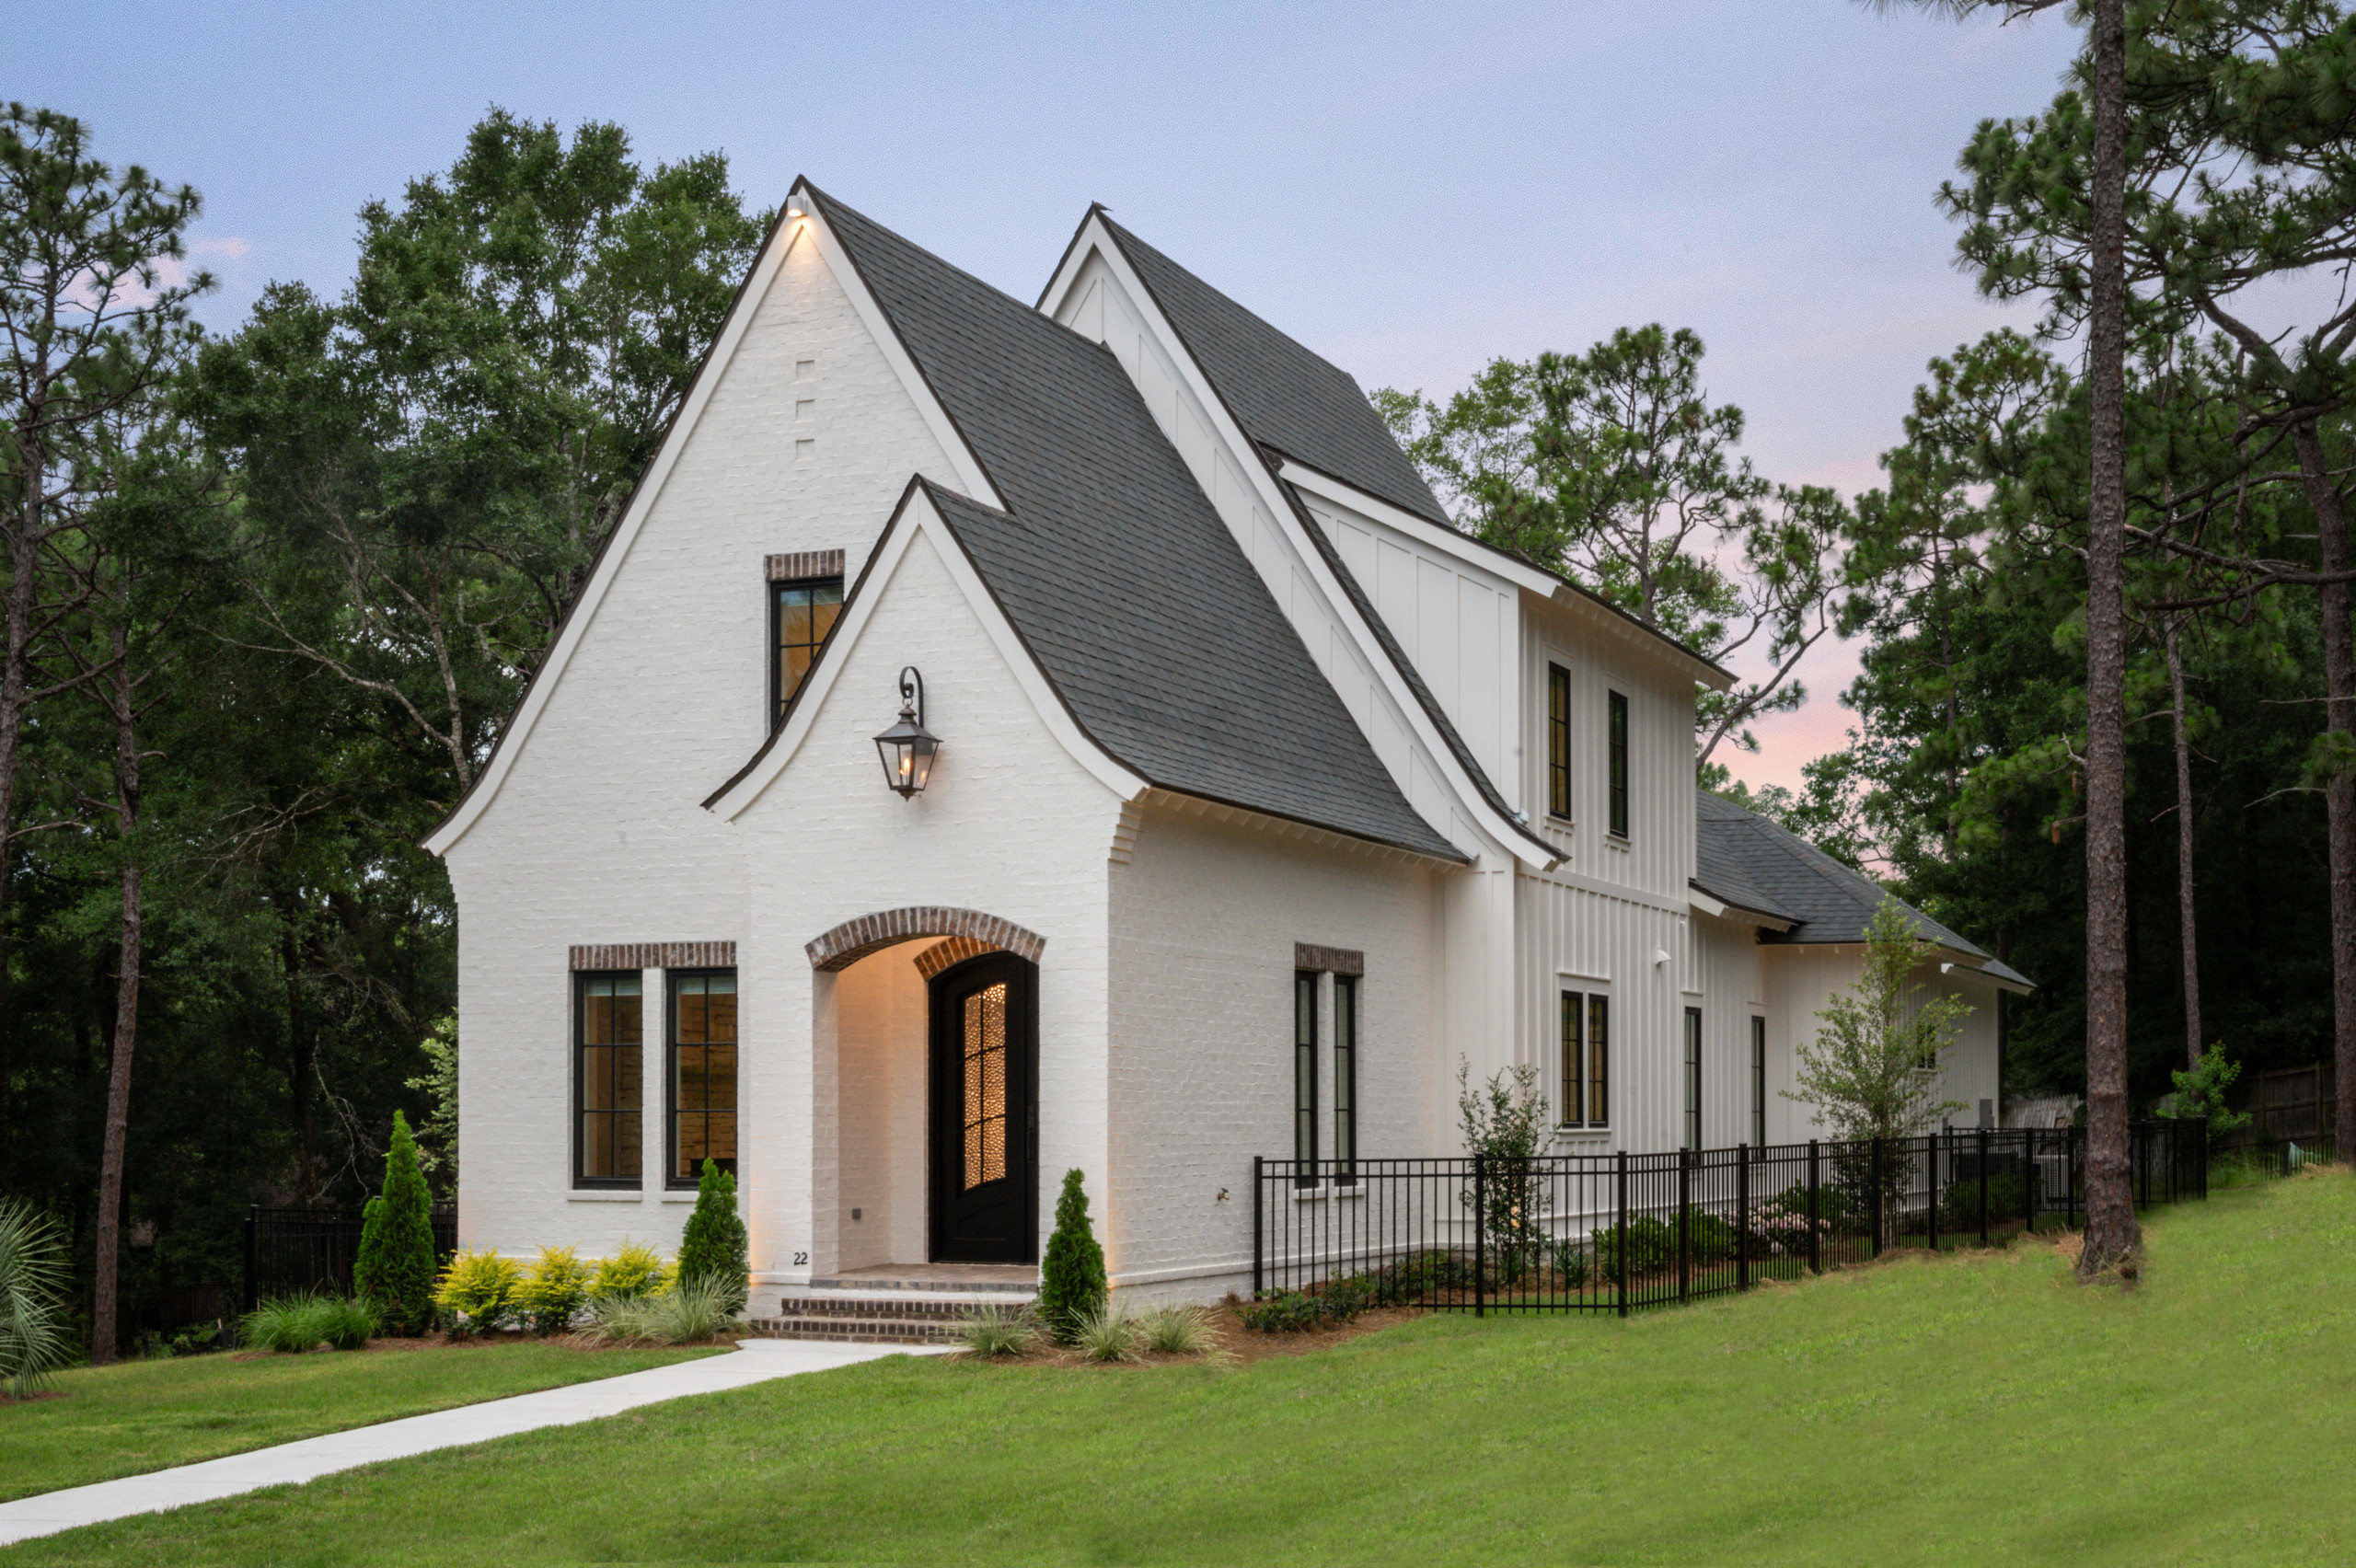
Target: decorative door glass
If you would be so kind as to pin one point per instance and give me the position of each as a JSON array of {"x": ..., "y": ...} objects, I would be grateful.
[{"x": 985, "y": 1032}]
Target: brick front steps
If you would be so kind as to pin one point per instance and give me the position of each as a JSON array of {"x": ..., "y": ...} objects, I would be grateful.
[{"x": 911, "y": 1304}]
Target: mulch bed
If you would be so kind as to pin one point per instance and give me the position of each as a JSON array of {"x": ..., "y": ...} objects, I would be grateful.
[{"x": 1238, "y": 1346}]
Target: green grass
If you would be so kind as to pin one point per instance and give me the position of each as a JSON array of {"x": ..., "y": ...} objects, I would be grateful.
[
  {"x": 145, "y": 1415},
  {"x": 1974, "y": 1409}
]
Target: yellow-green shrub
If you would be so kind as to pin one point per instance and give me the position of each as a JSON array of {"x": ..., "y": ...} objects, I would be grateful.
[
  {"x": 477, "y": 1290},
  {"x": 635, "y": 1270},
  {"x": 551, "y": 1290}
]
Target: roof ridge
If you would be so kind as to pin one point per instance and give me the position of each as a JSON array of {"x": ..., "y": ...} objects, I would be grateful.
[{"x": 1124, "y": 232}]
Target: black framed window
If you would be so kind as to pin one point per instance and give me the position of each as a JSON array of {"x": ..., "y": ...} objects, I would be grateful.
[
  {"x": 1758, "y": 1081},
  {"x": 1598, "y": 1054},
  {"x": 1618, "y": 751},
  {"x": 1693, "y": 1077},
  {"x": 1558, "y": 741},
  {"x": 608, "y": 1052},
  {"x": 1345, "y": 1074},
  {"x": 1304, "y": 1070},
  {"x": 1570, "y": 1109},
  {"x": 702, "y": 1074},
  {"x": 801, "y": 614}
]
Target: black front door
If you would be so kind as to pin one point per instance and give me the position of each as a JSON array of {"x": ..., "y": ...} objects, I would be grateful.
[{"x": 985, "y": 1116}]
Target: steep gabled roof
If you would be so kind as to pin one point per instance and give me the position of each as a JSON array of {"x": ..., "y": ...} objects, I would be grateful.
[
  {"x": 1111, "y": 565},
  {"x": 1743, "y": 858},
  {"x": 1284, "y": 396}
]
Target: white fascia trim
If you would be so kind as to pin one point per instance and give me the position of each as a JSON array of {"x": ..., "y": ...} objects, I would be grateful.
[
  {"x": 1502, "y": 832},
  {"x": 807, "y": 229},
  {"x": 1718, "y": 909},
  {"x": 1505, "y": 568},
  {"x": 919, "y": 518}
]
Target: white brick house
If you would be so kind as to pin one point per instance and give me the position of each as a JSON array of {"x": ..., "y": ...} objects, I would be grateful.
[{"x": 1230, "y": 720}]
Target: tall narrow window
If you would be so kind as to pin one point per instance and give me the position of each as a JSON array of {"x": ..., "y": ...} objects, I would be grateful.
[
  {"x": 1599, "y": 1050},
  {"x": 1693, "y": 1077},
  {"x": 1558, "y": 741},
  {"x": 1345, "y": 1077},
  {"x": 1758, "y": 1081},
  {"x": 1304, "y": 1075},
  {"x": 1619, "y": 739},
  {"x": 703, "y": 1073},
  {"x": 1571, "y": 1109},
  {"x": 801, "y": 614},
  {"x": 607, "y": 1049}
]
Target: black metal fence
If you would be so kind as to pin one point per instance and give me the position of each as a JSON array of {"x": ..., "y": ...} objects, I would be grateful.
[
  {"x": 1615, "y": 1232},
  {"x": 289, "y": 1250}
]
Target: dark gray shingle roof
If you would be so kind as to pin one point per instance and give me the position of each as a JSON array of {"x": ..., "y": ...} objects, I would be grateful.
[
  {"x": 1740, "y": 849},
  {"x": 1109, "y": 561},
  {"x": 1283, "y": 395}
]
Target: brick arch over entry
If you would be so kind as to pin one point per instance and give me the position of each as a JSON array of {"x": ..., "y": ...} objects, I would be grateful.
[{"x": 854, "y": 940}]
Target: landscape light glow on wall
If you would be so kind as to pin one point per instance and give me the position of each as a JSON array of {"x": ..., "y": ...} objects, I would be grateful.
[{"x": 908, "y": 748}]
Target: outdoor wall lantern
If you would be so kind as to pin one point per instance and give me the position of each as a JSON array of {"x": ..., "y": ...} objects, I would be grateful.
[{"x": 908, "y": 748}]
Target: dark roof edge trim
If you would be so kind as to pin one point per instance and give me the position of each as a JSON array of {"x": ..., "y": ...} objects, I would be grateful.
[{"x": 1481, "y": 784}]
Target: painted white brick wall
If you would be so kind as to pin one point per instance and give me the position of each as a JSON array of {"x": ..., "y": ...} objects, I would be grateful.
[
  {"x": 1011, "y": 825},
  {"x": 598, "y": 834},
  {"x": 1204, "y": 920}
]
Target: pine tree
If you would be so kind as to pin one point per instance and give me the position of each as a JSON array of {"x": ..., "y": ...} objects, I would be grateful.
[
  {"x": 1071, "y": 1277},
  {"x": 714, "y": 1246},
  {"x": 396, "y": 1269}
]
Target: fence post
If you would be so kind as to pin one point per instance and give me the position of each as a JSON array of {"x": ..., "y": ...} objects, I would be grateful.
[
  {"x": 1742, "y": 1216},
  {"x": 1983, "y": 1186},
  {"x": 1620, "y": 1236},
  {"x": 2032, "y": 1181},
  {"x": 1930, "y": 1153},
  {"x": 1873, "y": 1164},
  {"x": 1480, "y": 1237},
  {"x": 1258, "y": 1250},
  {"x": 1815, "y": 1249},
  {"x": 1685, "y": 1224},
  {"x": 2070, "y": 1170},
  {"x": 250, "y": 1283},
  {"x": 2204, "y": 1159}
]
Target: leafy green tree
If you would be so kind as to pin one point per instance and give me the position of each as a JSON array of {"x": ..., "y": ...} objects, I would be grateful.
[
  {"x": 395, "y": 1268},
  {"x": 714, "y": 1249},
  {"x": 437, "y": 1136},
  {"x": 1614, "y": 467},
  {"x": 1071, "y": 1272}
]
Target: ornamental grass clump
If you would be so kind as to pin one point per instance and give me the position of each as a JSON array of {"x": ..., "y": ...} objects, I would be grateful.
[
  {"x": 1105, "y": 1332},
  {"x": 395, "y": 1266},
  {"x": 32, "y": 1298},
  {"x": 552, "y": 1291},
  {"x": 1177, "y": 1331},
  {"x": 690, "y": 1310},
  {"x": 997, "y": 1330},
  {"x": 635, "y": 1270},
  {"x": 477, "y": 1292},
  {"x": 1071, "y": 1274},
  {"x": 294, "y": 1324}
]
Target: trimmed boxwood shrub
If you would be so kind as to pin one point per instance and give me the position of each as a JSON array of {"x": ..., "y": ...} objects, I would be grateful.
[
  {"x": 713, "y": 1248},
  {"x": 394, "y": 1270},
  {"x": 1960, "y": 1205},
  {"x": 1071, "y": 1274}
]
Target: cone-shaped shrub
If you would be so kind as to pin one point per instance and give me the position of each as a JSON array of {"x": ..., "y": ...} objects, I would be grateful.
[
  {"x": 1071, "y": 1277},
  {"x": 395, "y": 1271},
  {"x": 713, "y": 1248}
]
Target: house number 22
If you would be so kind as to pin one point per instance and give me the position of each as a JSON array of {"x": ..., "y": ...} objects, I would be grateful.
[{"x": 801, "y": 1259}]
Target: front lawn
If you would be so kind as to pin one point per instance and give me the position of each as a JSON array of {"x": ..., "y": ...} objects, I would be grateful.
[
  {"x": 1977, "y": 1409},
  {"x": 145, "y": 1415}
]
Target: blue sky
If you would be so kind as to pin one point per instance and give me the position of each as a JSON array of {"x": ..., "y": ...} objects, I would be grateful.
[{"x": 1409, "y": 190}]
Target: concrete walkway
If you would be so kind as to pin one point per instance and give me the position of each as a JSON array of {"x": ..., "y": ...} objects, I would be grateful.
[{"x": 755, "y": 1361}]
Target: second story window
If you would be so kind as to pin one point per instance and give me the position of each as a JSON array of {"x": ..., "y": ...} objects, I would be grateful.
[
  {"x": 801, "y": 614},
  {"x": 1619, "y": 741},
  {"x": 1558, "y": 741}
]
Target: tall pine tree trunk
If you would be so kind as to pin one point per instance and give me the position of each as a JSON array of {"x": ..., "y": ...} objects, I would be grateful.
[
  {"x": 2185, "y": 931},
  {"x": 2113, "y": 1237},
  {"x": 2340, "y": 790},
  {"x": 120, "y": 697},
  {"x": 16, "y": 661}
]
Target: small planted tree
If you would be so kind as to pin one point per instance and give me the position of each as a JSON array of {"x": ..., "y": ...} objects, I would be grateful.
[
  {"x": 1503, "y": 1121},
  {"x": 395, "y": 1268},
  {"x": 2201, "y": 1093},
  {"x": 1072, "y": 1275},
  {"x": 1873, "y": 1069},
  {"x": 713, "y": 1250}
]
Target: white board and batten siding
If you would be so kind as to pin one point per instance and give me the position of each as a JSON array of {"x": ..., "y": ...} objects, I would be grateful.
[{"x": 595, "y": 834}]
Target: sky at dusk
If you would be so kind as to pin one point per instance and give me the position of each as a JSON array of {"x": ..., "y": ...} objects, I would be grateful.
[{"x": 1411, "y": 190}]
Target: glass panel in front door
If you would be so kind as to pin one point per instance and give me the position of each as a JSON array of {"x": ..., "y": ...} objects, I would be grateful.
[{"x": 985, "y": 1027}]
